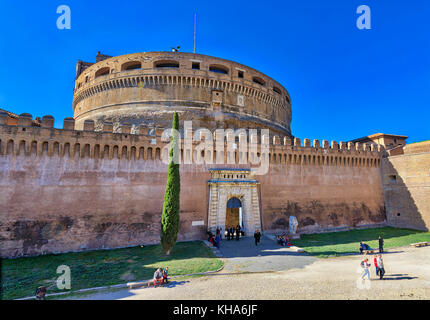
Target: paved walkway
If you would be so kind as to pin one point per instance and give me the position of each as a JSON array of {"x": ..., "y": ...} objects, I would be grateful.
[
  {"x": 407, "y": 277},
  {"x": 245, "y": 256}
]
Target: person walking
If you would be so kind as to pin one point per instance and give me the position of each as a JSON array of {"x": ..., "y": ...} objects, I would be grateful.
[
  {"x": 237, "y": 232},
  {"x": 257, "y": 236},
  {"x": 217, "y": 240},
  {"x": 381, "y": 244},
  {"x": 375, "y": 262},
  {"x": 381, "y": 267},
  {"x": 365, "y": 265},
  {"x": 228, "y": 234}
]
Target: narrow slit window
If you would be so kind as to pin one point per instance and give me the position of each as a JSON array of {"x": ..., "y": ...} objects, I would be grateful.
[{"x": 218, "y": 69}]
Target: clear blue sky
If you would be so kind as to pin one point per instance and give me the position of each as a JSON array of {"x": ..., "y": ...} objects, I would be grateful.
[{"x": 344, "y": 82}]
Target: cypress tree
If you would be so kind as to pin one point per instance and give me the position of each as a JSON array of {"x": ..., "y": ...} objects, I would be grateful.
[{"x": 170, "y": 214}]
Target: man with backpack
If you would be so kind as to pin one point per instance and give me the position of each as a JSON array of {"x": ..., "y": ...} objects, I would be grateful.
[{"x": 365, "y": 265}]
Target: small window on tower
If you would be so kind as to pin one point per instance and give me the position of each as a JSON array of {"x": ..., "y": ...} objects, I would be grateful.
[{"x": 196, "y": 65}]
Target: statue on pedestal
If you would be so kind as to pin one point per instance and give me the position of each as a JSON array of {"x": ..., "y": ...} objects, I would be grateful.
[{"x": 292, "y": 226}]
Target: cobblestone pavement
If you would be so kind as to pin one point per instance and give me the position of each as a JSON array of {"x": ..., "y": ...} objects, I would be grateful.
[{"x": 407, "y": 277}]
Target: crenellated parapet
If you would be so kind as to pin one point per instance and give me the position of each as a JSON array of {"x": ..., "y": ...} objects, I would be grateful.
[
  {"x": 28, "y": 140},
  {"x": 150, "y": 144},
  {"x": 325, "y": 153}
]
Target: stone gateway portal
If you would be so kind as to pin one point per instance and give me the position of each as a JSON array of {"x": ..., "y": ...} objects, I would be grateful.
[{"x": 233, "y": 199}]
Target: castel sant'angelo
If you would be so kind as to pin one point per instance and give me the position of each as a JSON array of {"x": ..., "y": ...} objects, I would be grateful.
[{"x": 99, "y": 181}]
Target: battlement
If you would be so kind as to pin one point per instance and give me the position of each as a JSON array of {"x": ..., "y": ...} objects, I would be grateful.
[{"x": 149, "y": 143}]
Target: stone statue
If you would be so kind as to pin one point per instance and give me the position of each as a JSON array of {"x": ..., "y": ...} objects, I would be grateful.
[{"x": 293, "y": 225}]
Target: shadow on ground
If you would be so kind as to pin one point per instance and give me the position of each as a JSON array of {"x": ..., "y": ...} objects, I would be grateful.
[
  {"x": 121, "y": 294},
  {"x": 398, "y": 277},
  {"x": 245, "y": 256}
]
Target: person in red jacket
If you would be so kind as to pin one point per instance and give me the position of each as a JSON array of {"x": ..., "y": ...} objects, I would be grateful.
[{"x": 375, "y": 262}]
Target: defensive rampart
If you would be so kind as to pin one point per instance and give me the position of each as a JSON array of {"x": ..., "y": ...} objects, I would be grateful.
[{"x": 66, "y": 189}]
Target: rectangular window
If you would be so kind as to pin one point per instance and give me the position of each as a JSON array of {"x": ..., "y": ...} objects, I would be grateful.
[
  {"x": 196, "y": 66},
  {"x": 393, "y": 178},
  {"x": 240, "y": 74}
]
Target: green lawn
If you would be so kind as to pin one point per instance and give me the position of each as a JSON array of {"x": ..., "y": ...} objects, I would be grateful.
[
  {"x": 20, "y": 277},
  {"x": 337, "y": 243}
]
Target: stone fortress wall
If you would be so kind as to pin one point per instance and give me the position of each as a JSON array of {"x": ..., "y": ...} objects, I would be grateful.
[
  {"x": 68, "y": 190},
  {"x": 406, "y": 184},
  {"x": 145, "y": 89}
]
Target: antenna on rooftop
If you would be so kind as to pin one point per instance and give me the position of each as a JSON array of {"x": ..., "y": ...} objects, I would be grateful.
[{"x": 195, "y": 26}]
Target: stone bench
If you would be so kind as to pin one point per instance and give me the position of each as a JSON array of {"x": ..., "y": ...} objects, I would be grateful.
[
  {"x": 420, "y": 244},
  {"x": 148, "y": 283}
]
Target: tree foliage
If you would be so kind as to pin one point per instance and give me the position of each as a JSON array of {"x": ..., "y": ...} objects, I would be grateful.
[{"x": 171, "y": 206}]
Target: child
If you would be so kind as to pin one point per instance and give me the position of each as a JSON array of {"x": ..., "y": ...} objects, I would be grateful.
[{"x": 165, "y": 274}]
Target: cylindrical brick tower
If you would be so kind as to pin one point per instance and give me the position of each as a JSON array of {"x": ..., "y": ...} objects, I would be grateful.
[{"x": 145, "y": 89}]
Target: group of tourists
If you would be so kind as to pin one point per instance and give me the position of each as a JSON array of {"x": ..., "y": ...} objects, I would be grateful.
[
  {"x": 230, "y": 234},
  {"x": 379, "y": 267},
  {"x": 377, "y": 260},
  {"x": 365, "y": 246},
  {"x": 215, "y": 239},
  {"x": 160, "y": 276},
  {"x": 283, "y": 240},
  {"x": 233, "y": 232}
]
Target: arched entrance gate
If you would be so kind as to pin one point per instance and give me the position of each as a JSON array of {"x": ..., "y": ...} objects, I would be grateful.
[
  {"x": 233, "y": 215},
  {"x": 233, "y": 196}
]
